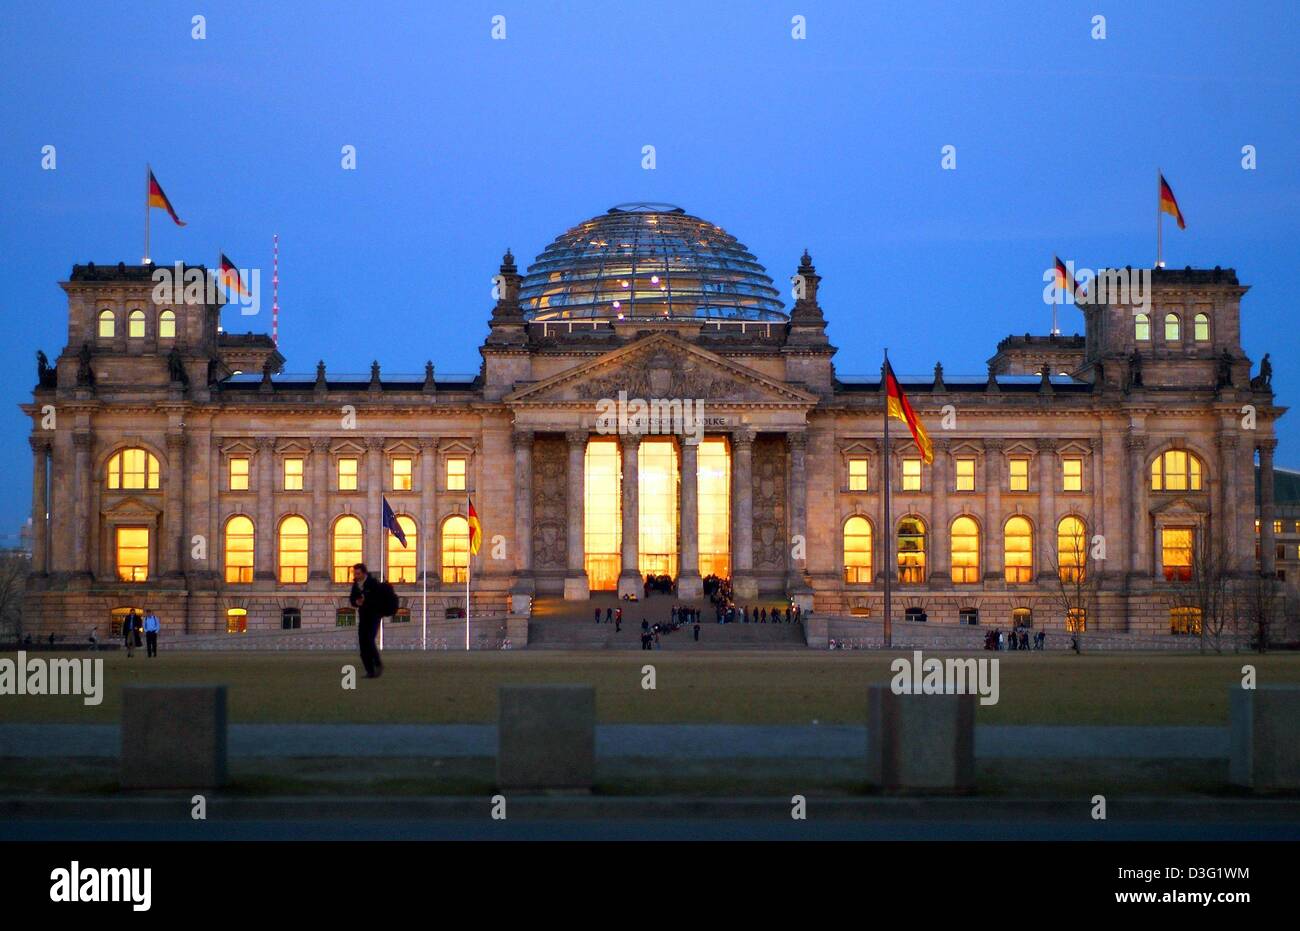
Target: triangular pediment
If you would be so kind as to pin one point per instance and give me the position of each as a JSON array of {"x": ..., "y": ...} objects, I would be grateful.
[
  {"x": 1179, "y": 507},
  {"x": 662, "y": 366},
  {"x": 132, "y": 509}
]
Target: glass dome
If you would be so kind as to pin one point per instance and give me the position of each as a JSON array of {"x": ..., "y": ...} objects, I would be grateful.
[{"x": 648, "y": 261}]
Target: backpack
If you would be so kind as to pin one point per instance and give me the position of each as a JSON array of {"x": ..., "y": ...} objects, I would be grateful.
[{"x": 387, "y": 599}]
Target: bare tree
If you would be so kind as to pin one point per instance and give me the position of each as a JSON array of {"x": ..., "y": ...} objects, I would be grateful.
[
  {"x": 1203, "y": 593},
  {"x": 14, "y": 567},
  {"x": 1074, "y": 574},
  {"x": 1256, "y": 601}
]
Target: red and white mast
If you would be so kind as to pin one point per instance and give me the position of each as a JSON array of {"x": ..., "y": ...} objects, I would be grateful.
[{"x": 275, "y": 289}]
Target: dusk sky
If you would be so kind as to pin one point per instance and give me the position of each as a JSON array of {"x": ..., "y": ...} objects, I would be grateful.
[{"x": 466, "y": 145}]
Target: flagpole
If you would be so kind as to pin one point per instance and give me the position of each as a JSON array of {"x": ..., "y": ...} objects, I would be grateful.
[
  {"x": 148, "y": 173},
  {"x": 424, "y": 595},
  {"x": 1160, "y": 227},
  {"x": 383, "y": 547},
  {"x": 888, "y": 534},
  {"x": 469, "y": 559}
]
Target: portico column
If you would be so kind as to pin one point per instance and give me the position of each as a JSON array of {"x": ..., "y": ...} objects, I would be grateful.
[
  {"x": 796, "y": 582},
  {"x": 1137, "y": 446},
  {"x": 40, "y": 502},
  {"x": 264, "y": 540},
  {"x": 993, "y": 510},
  {"x": 1267, "y": 537},
  {"x": 523, "y": 441},
  {"x": 1049, "y": 559},
  {"x": 743, "y": 584},
  {"x": 173, "y": 551},
  {"x": 318, "y": 567},
  {"x": 629, "y": 579},
  {"x": 82, "y": 440},
  {"x": 689, "y": 584},
  {"x": 575, "y": 578}
]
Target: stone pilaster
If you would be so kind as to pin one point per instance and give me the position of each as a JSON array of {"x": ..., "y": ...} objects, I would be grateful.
[
  {"x": 994, "y": 518},
  {"x": 428, "y": 519},
  {"x": 375, "y": 554},
  {"x": 524, "y": 585},
  {"x": 689, "y": 584},
  {"x": 743, "y": 584},
  {"x": 1048, "y": 558},
  {"x": 940, "y": 542},
  {"x": 172, "y": 551},
  {"x": 575, "y": 578},
  {"x": 796, "y": 585},
  {"x": 1136, "y": 444},
  {"x": 319, "y": 568},
  {"x": 40, "y": 503},
  {"x": 82, "y": 440},
  {"x": 629, "y": 579},
  {"x": 264, "y": 541}
]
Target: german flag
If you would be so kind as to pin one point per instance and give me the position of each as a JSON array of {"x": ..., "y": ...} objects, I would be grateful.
[
  {"x": 1065, "y": 281},
  {"x": 230, "y": 276},
  {"x": 156, "y": 198},
  {"x": 1168, "y": 204},
  {"x": 475, "y": 529},
  {"x": 897, "y": 407}
]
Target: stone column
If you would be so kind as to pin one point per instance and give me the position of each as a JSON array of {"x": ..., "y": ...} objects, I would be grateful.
[
  {"x": 1048, "y": 558},
  {"x": 940, "y": 542},
  {"x": 796, "y": 580},
  {"x": 523, "y": 442},
  {"x": 319, "y": 568},
  {"x": 264, "y": 541},
  {"x": 689, "y": 584},
  {"x": 993, "y": 516},
  {"x": 82, "y": 479},
  {"x": 629, "y": 579},
  {"x": 172, "y": 552},
  {"x": 743, "y": 584},
  {"x": 40, "y": 502},
  {"x": 575, "y": 578},
  {"x": 375, "y": 534},
  {"x": 1268, "y": 540},
  {"x": 1137, "y": 502}
]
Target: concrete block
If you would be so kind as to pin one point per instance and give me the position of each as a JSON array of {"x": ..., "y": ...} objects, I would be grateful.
[
  {"x": 921, "y": 743},
  {"x": 173, "y": 737},
  {"x": 546, "y": 737},
  {"x": 1264, "y": 737}
]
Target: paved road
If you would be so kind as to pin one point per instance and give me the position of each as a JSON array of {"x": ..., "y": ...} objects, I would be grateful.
[{"x": 680, "y": 741}]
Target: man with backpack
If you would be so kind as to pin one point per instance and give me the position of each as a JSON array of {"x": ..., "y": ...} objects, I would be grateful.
[{"x": 374, "y": 600}]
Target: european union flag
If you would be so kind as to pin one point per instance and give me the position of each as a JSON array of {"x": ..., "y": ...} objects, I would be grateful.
[{"x": 390, "y": 522}]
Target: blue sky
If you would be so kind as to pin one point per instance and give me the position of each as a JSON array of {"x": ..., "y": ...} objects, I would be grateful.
[{"x": 466, "y": 145}]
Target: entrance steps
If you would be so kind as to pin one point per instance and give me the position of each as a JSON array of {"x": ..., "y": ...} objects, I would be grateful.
[{"x": 568, "y": 625}]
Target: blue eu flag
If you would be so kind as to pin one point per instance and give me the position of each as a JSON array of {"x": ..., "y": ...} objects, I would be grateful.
[{"x": 390, "y": 521}]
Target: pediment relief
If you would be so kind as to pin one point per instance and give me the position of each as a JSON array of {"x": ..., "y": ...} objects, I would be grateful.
[
  {"x": 132, "y": 509},
  {"x": 293, "y": 446},
  {"x": 859, "y": 448},
  {"x": 661, "y": 366},
  {"x": 349, "y": 447},
  {"x": 1180, "y": 507},
  {"x": 1019, "y": 448},
  {"x": 238, "y": 447}
]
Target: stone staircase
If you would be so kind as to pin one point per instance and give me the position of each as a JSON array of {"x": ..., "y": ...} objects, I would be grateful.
[{"x": 568, "y": 625}]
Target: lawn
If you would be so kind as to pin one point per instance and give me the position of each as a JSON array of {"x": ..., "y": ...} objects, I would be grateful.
[{"x": 777, "y": 687}]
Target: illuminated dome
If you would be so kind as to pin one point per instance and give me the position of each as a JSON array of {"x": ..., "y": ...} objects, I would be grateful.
[{"x": 647, "y": 261}]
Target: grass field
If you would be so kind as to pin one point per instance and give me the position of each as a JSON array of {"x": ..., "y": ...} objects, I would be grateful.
[{"x": 737, "y": 688}]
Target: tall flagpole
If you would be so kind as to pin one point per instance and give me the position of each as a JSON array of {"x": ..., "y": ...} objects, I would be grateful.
[
  {"x": 1160, "y": 227},
  {"x": 383, "y": 548},
  {"x": 424, "y": 595},
  {"x": 148, "y": 173},
  {"x": 888, "y": 533},
  {"x": 469, "y": 559}
]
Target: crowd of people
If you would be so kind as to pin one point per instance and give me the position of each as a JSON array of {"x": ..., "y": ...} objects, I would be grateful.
[{"x": 1015, "y": 639}]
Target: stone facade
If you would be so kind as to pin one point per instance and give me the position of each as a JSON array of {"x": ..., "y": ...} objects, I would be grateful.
[{"x": 793, "y": 427}]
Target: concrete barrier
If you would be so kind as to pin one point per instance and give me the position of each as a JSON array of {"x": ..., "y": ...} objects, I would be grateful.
[
  {"x": 922, "y": 743},
  {"x": 1264, "y": 741},
  {"x": 546, "y": 737},
  {"x": 173, "y": 737}
]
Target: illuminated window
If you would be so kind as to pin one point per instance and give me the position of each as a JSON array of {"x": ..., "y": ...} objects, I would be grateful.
[
  {"x": 1277, "y": 526},
  {"x": 237, "y": 621},
  {"x": 911, "y": 550},
  {"x": 293, "y": 474},
  {"x": 1201, "y": 328},
  {"x": 658, "y": 512},
  {"x": 1076, "y": 620},
  {"x": 347, "y": 475},
  {"x": 401, "y": 559},
  {"x": 455, "y": 474},
  {"x": 117, "y": 617},
  {"x": 238, "y": 466},
  {"x": 1022, "y": 617},
  {"x": 167, "y": 325},
  {"x": 1018, "y": 550},
  {"x": 911, "y": 474},
  {"x": 1072, "y": 474},
  {"x": 714, "y": 490},
  {"x": 293, "y": 550},
  {"x": 455, "y": 550},
  {"x": 133, "y": 469},
  {"x": 1176, "y": 470},
  {"x": 107, "y": 324},
  {"x": 402, "y": 475},
  {"x": 1142, "y": 327},
  {"x": 346, "y": 550},
  {"x": 602, "y": 515},
  {"x": 1019, "y": 473},
  {"x": 966, "y": 473},
  {"x": 135, "y": 324},
  {"x": 857, "y": 551},
  {"x": 239, "y": 550},
  {"x": 1176, "y": 553},
  {"x": 131, "y": 545},
  {"x": 1185, "y": 620},
  {"x": 1171, "y": 328},
  {"x": 857, "y": 474},
  {"x": 965, "y": 551},
  {"x": 1071, "y": 549}
]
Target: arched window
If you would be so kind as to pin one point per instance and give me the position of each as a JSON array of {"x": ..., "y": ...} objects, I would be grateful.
[
  {"x": 133, "y": 468},
  {"x": 1071, "y": 549},
  {"x": 455, "y": 550},
  {"x": 135, "y": 324},
  {"x": 1022, "y": 617},
  {"x": 1142, "y": 327},
  {"x": 107, "y": 324},
  {"x": 237, "y": 621},
  {"x": 401, "y": 559},
  {"x": 1172, "y": 328},
  {"x": 911, "y": 550},
  {"x": 1176, "y": 470},
  {"x": 293, "y": 550},
  {"x": 1018, "y": 550},
  {"x": 167, "y": 325},
  {"x": 239, "y": 550},
  {"x": 346, "y": 551},
  {"x": 965, "y": 551},
  {"x": 1201, "y": 328},
  {"x": 857, "y": 551}
]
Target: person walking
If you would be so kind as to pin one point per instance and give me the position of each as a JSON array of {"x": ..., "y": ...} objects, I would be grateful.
[
  {"x": 365, "y": 597},
  {"x": 151, "y": 634},
  {"x": 598, "y": 615},
  {"x": 128, "y": 631}
]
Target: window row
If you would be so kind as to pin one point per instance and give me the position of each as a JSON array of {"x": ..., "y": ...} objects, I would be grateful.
[
  {"x": 346, "y": 471},
  {"x": 106, "y": 324},
  {"x": 964, "y": 473},
  {"x": 1173, "y": 324}
]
